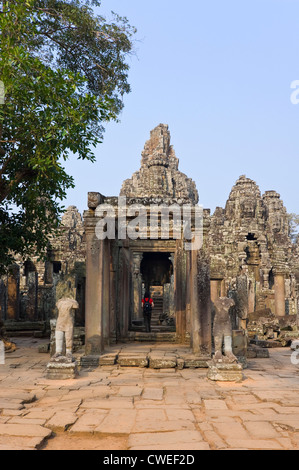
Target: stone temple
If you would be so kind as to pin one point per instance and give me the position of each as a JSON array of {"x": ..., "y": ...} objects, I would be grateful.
[{"x": 246, "y": 254}]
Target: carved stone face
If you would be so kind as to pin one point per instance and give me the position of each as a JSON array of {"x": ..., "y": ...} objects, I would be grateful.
[
  {"x": 253, "y": 253},
  {"x": 248, "y": 208},
  {"x": 275, "y": 222}
]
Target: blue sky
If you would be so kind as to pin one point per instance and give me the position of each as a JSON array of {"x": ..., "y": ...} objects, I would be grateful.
[{"x": 219, "y": 73}]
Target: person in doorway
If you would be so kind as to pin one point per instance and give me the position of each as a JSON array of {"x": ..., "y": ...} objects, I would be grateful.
[{"x": 147, "y": 306}]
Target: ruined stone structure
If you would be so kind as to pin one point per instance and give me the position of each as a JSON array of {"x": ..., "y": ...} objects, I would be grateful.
[
  {"x": 246, "y": 255},
  {"x": 252, "y": 256},
  {"x": 119, "y": 271},
  {"x": 28, "y": 294},
  {"x": 159, "y": 176}
]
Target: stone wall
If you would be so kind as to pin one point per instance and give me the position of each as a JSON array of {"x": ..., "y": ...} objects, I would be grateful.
[
  {"x": 251, "y": 256},
  {"x": 28, "y": 293},
  {"x": 159, "y": 175},
  {"x": 250, "y": 238}
]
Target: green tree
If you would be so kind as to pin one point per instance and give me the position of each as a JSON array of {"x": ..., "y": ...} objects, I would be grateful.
[
  {"x": 65, "y": 73},
  {"x": 294, "y": 226}
]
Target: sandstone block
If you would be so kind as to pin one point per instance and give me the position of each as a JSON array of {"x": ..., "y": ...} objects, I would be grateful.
[
  {"x": 225, "y": 372},
  {"x": 57, "y": 371}
]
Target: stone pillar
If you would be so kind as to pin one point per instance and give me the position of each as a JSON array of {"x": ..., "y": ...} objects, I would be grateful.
[
  {"x": 123, "y": 291},
  {"x": 201, "y": 315},
  {"x": 94, "y": 294},
  {"x": 188, "y": 297},
  {"x": 137, "y": 286},
  {"x": 166, "y": 298},
  {"x": 241, "y": 301},
  {"x": 251, "y": 296},
  {"x": 49, "y": 268},
  {"x": 2, "y": 301},
  {"x": 215, "y": 289},
  {"x": 106, "y": 292},
  {"x": 13, "y": 294},
  {"x": 113, "y": 294},
  {"x": 279, "y": 283},
  {"x": 32, "y": 287},
  {"x": 180, "y": 291},
  {"x": 171, "y": 290},
  {"x": 171, "y": 298},
  {"x": 223, "y": 289}
]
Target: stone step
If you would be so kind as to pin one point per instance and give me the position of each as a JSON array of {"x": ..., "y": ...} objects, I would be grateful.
[
  {"x": 167, "y": 337},
  {"x": 155, "y": 329}
]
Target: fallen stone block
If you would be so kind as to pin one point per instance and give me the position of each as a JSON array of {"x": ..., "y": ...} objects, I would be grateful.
[
  {"x": 256, "y": 352},
  {"x": 62, "y": 371},
  {"x": 225, "y": 372},
  {"x": 162, "y": 362},
  {"x": 125, "y": 360}
]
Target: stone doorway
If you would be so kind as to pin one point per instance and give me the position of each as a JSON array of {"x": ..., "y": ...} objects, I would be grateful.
[{"x": 158, "y": 279}]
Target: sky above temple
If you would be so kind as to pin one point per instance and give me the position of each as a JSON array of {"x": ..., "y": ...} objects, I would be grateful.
[{"x": 219, "y": 73}]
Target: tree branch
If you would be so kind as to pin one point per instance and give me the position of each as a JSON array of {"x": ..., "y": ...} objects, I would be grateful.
[{"x": 5, "y": 188}]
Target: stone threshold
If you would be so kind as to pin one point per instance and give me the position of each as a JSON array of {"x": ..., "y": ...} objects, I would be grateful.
[{"x": 152, "y": 360}]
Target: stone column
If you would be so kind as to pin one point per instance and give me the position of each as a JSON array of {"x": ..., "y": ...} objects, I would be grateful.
[
  {"x": 2, "y": 301},
  {"x": 94, "y": 294},
  {"x": 241, "y": 300},
  {"x": 280, "y": 295},
  {"x": 251, "y": 296},
  {"x": 13, "y": 294},
  {"x": 113, "y": 293},
  {"x": 123, "y": 291},
  {"x": 171, "y": 290},
  {"x": 32, "y": 283},
  {"x": 171, "y": 298},
  {"x": 166, "y": 299},
  {"x": 215, "y": 289},
  {"x": 106, "y": 292},
  {"x": 188, "y": 296},
  {"x": 223, "y": 292},
  {"x": 201, "y": 318},
  {"x": 137, "y": 286},
  {"x": 180, "y": 291}
]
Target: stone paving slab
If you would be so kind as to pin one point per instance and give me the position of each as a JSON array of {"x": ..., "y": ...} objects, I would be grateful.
[
  {"x": 149, "y": 409},
  {"x": 164, "y": 439},
  {"x": 24, "y": 430}
]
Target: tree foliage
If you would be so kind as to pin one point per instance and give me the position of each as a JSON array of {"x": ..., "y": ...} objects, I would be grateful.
[
  {"x": 65, "y": 72},
  {"x": 294, "y": 226}
]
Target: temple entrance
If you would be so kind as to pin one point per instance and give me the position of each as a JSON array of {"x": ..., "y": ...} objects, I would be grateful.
[{"x": 157, "y": 279}]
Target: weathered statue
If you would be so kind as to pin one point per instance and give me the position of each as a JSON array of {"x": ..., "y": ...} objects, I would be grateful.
[
  {"x": 222, "y": 330},
  {"x": 65, "y": 329}
]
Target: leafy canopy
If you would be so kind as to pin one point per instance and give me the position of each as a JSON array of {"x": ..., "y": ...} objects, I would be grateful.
[
  {"x": 294, "y": 226},
  {"x": 65, "y": 72}
]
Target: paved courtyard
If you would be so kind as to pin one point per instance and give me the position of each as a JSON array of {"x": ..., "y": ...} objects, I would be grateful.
[{"x": 132, "y": 408}]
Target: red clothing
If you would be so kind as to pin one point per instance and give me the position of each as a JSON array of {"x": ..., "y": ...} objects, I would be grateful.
[{"x": 146, "y": 300}]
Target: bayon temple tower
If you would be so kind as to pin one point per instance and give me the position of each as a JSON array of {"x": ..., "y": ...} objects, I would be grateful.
[{"x": 246, "y": 254}]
